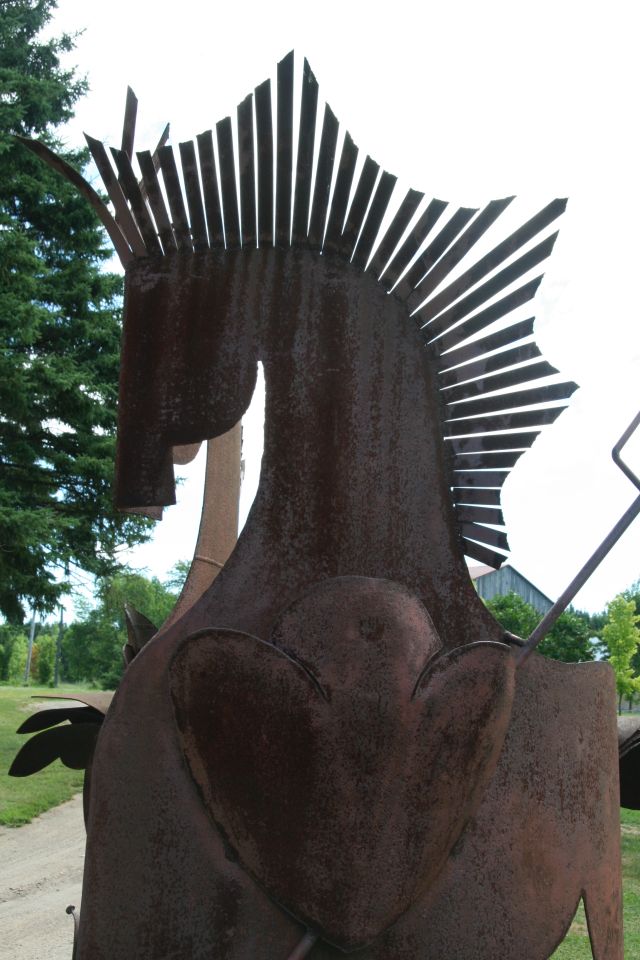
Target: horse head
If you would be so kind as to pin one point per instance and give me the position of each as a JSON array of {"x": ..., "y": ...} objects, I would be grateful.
[{"x": 201, "y": 257}]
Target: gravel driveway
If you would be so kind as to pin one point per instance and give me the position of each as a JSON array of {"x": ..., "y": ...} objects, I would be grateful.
[{"x": 40, "y": 874}]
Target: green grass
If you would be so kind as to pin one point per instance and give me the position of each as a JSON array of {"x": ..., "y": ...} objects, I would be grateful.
[
  {"x": 631, "y": 882},
  {"x": 576, "y": 944},
  {"x": 22, "y": 798}
]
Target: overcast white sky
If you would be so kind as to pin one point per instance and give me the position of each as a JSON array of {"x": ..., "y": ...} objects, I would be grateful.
[{"x": 466, "y": 101}]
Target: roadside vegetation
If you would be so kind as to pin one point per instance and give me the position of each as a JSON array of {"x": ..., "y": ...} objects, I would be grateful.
[
  {"x": 23, "y": 798},
  {"x": 88, "y": 650}
]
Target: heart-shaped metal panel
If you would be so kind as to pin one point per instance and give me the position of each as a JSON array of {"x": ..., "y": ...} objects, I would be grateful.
[{"x": 342, "y": 771}]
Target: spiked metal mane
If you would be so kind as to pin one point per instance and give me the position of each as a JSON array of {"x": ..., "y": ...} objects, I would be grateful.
[{"x": 484, "y": 428}]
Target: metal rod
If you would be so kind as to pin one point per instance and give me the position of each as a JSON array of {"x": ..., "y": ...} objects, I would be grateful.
[
  {"x": 596, "y": 558},
  {"x": 56, "y": 668},
  {"x": 75, "y": 915},
  {"x": 32, "y": 633},
  {"x": 304, "y": 947},
  {"x": 577, "y": 583},
  {"x": 617, "y": 450}
]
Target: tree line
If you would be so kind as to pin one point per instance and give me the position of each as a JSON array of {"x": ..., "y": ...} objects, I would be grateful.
[
  {"x": 577, "y": 636},
  {"x": 89, "y": 649}
]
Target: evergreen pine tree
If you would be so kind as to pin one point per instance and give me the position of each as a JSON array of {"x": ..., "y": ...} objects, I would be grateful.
[{"x": 59, "y": 336}]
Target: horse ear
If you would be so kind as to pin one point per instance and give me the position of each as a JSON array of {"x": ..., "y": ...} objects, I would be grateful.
[
  {"x": 139, "y": 631},
  {"x": 74, "y": 177}
]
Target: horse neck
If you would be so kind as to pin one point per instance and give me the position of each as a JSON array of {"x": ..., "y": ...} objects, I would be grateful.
[{"x": 353, "y": 479}]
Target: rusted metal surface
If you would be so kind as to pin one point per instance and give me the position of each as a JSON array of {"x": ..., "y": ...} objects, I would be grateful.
[
  {"x": 486, "y": 365},
  {"x": 453, "y": 355},
  {"x": 437, "y": 273},
  {"x": 176, "y": 199},
  {"x": 210, "y": 189},
  {"x": 248, "y": 213},
  {"x": 154, "y": 196},
  {"x": 194, "y": 197},
  {"x": 371, "y": 229},
  {"x": 358, "y": 208},
  {"x": 476, "y": 427},
  {"x": 131, "y": 189},
  {"x": 140, "y": 631},
  {"x": 366, "y": 746},
  {"x": 481, "y": 514},
  {"x": 124, "y": 219},
  {"x": 492, "y": 442},
  {"x": 490, "y": 261},
  {"x": 432, "y": 253},
  {"x": 344, "y": 179},
  {"x": 129, "y": 124},
  {"x": 328, "y": 140},
  {"x": 232, "y": 234},
  {"x": 74, "y": 913},
  {"x": 306, "y": 138},
  {"x": 396, "y": 228},
  {"x": 119, "y": 241},
  {"x": 264, "y": 136},
  {"x": 304, "y": 947},
  {"x": 100, "y": 701},
  {"x": 218, "y": 531},
  {"x": 284, "y": 151},
  {"x": 291, "y": 747}
]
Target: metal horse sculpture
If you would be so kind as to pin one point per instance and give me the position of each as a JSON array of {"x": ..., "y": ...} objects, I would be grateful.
[{"x": 331, "y": 750}]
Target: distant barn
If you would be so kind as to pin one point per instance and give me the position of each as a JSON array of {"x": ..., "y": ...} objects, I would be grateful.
[{"x": 498, "y": 583}]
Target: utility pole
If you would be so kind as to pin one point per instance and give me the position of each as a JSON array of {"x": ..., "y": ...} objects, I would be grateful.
[
  {"x": 56, "y": 673},
  {"x": 32, "y": 633}
]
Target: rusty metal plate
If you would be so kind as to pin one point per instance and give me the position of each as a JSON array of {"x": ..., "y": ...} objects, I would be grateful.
[
  {"x": 176, "y": 199},
  {"x": 394, "y": 232},
  {"x": 304, "y": 165},
  {"x": 375, "y": 215},
  {"x": 211, "y": 196},
  {"x": 194, "y": 196},
  {"x": 338, "y": 211},
  {"x": 334, "y": 780},
  {"x": 322, "y": 188},
  {"x": 264, "y": 136},
  {"x": 358, "y": 208},
  {"x": 248, "y": 213},
  {"x": 153, "y": 192},
  {"x": 434, "y": 250},
  {"x": 99, "y": 701},
  {"x": 284, "y": 150}
]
